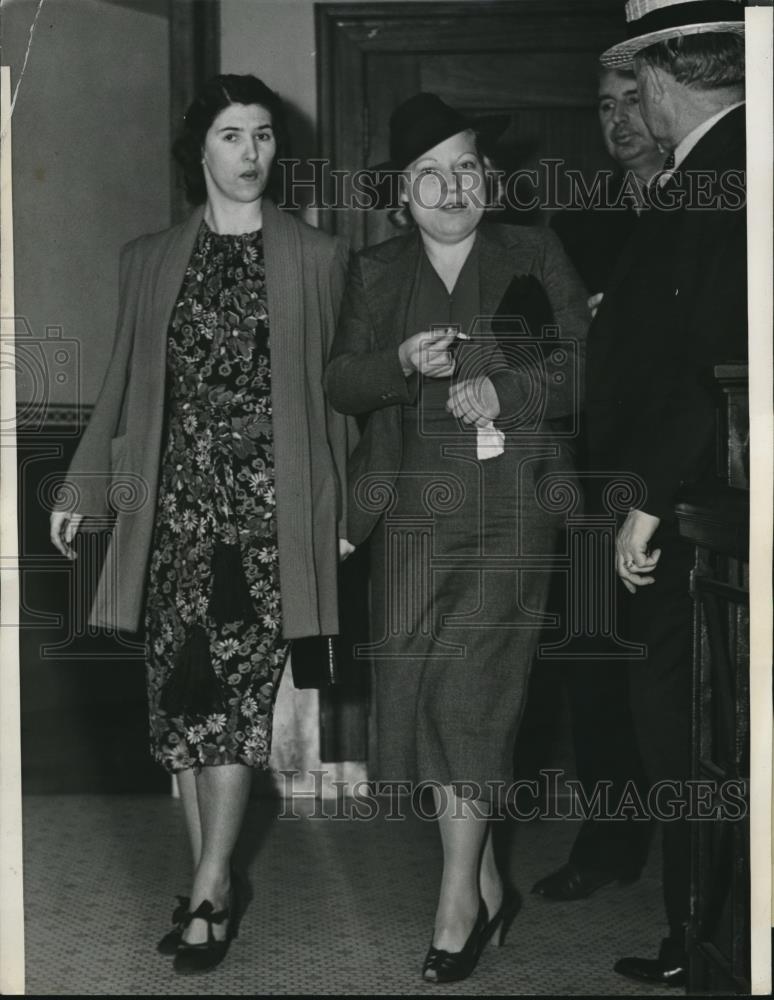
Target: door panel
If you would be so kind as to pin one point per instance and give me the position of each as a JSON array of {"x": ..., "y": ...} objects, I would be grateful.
[{"x": 517, "y": 79}]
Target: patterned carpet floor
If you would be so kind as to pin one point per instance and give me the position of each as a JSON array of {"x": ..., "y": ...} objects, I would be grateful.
[{"x": 340, "y": 906}]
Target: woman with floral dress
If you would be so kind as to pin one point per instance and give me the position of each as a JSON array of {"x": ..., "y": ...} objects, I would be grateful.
[{"x": 212, "y": 421}]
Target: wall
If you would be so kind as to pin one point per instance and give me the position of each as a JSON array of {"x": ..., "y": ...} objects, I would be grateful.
[
  {"x": 90, "y": 135},
  {"x": 275, "y": 41},
  {"x": 90, "y": 168}
]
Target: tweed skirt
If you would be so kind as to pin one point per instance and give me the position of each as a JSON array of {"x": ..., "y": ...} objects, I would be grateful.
[{"x": 459, "y": 584}]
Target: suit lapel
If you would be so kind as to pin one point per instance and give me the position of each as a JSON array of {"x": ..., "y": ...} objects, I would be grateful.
[
  {"x": 390, "y": 280},
  {"x": 495, "y": 273}
]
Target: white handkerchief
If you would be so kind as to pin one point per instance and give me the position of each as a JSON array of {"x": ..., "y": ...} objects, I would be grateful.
[{"x": 489, "y": 442}]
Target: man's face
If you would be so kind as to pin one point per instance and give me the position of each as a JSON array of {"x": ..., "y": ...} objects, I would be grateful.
[{"x": 626, "y": 135}]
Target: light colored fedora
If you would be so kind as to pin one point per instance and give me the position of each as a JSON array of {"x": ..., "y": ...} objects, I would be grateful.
[{"x": 651, "y": 21}]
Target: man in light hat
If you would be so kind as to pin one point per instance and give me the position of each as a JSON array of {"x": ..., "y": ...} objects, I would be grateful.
[{"x": 676, "y": 305}]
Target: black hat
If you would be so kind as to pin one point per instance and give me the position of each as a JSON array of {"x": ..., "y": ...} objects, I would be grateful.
[
  {"x": 420, "y": 123},
  {"x": 416, "y": 126}
]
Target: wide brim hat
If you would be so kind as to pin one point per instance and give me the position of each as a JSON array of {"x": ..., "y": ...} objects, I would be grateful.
[{"x": 652, "y": 21}]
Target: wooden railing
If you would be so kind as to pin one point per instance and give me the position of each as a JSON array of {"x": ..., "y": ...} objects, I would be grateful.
[{"x": 715, "y": 520}]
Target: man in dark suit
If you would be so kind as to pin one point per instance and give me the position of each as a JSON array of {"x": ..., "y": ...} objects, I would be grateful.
[
  {"x": 675, "y": 306},
  {"x": 598, "y": 696}
]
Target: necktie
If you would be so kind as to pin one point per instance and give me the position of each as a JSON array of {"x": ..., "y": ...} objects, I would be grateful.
[{"x": 659, "y": 179}]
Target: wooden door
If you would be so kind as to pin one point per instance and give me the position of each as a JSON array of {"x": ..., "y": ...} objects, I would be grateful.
[{"x": 534, "y": 60}]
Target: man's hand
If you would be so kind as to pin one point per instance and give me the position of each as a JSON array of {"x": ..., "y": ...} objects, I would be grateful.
[
  {"x": 474, "y": 401},
  {"x": 64, "y": 527},
  {"x": 633, "y": 558},
  {"x": 345, "y": 549}
]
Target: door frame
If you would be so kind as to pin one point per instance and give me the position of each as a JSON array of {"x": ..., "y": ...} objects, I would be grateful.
[{"x": 194, "y": 56}]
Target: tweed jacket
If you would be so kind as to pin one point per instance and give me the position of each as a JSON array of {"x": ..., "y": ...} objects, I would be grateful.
[
  {"x": 364, "y": 375},
  {"x": 116, "y": 466}
]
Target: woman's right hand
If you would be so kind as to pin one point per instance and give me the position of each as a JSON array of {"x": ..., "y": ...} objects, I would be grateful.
[
  {"x": 64, "y": 526},
  {"x": 427, "y": 352}
]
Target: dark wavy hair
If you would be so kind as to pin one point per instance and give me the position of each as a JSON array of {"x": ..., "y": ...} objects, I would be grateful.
[{"x": 217, "y": 94}]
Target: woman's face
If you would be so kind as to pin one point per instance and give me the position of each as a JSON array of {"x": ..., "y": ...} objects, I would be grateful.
[
  {"x": 445, "y": 189},
  {"x": 238, "y": 152}
]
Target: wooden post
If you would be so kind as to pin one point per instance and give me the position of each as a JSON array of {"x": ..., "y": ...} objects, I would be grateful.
[{"x": 194, "y": 56}]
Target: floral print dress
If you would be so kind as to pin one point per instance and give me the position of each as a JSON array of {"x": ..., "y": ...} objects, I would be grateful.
[{"x": 213, "y": 603}]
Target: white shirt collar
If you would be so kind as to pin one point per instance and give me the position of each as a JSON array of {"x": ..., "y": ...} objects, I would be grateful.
[{"x": 692, "y": 139}]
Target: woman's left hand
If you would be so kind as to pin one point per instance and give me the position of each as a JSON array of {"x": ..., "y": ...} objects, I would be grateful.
[
  {"x": 474, "y": 401},
  {"x": 345, "y": 549}
]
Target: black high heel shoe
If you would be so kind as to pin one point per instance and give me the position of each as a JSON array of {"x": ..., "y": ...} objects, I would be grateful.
[
  {"x": 450, "y": 966},
  {"x": 500, "y": 923},
  {"x": 192, "y": 959},
  {"x": 168, "y": 944}
]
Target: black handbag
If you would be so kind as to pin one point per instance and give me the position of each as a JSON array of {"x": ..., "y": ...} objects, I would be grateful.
[
  {"x": 326, "y": 661},
  {"x": 314, "y": 661}
]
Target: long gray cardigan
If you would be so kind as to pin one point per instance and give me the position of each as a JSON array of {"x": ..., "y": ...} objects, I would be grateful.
[{"x": 117, "y": 462}]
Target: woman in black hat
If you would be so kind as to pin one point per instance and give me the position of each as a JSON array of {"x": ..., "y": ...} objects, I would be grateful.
[{"x": 439, "y": 353}]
